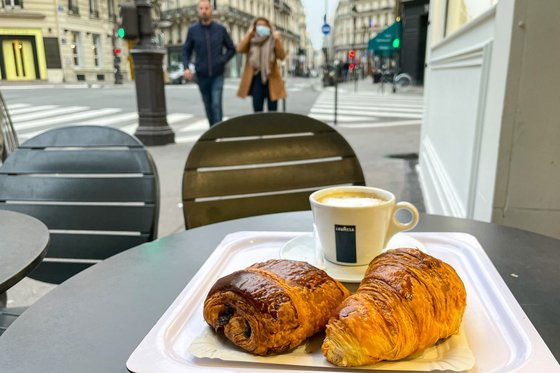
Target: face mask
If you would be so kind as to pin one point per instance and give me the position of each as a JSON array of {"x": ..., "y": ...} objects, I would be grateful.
[{"x": 263, "y": 30}]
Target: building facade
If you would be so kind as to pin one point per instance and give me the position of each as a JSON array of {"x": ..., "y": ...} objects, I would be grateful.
[
  {"x": 59, "y": 41},
  {"x": 357, "y": 21},
  {"x": 287, "y": 16}
]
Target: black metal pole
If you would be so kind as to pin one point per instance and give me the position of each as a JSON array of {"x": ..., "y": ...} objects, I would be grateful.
[
  {"x": 335, "y": 93},
  {"x": 150, "y": 93}
]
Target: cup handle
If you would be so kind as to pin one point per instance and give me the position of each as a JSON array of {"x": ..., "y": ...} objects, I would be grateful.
[{"x": 396, "y": 226}]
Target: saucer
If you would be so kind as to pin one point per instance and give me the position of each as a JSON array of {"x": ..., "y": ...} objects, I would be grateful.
[{"x": 305, "y": 248}]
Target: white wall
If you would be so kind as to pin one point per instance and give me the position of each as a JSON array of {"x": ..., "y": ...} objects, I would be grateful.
[
  {"x": 527, "y": 193},
  {"x": 490, "y": 147}
]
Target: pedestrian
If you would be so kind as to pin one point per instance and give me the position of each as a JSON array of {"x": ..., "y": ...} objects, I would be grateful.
[
  {"x": 261, "y": 76},
  {"x": 208, "y": 39}
]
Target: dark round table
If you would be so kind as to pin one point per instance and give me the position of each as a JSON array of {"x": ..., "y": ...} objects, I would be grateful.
[
  {"x": 23, "y": 244},
  {"x": 95, "y": 320}
]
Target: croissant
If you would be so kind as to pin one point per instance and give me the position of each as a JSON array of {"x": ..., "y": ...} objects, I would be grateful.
[
  {"x": 272, "y": 307},
  {"x": 406, "y": 302}
]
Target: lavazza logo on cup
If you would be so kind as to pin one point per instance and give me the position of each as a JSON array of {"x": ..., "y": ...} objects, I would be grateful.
[
  {"x": 353, "y": 224},
  {"x": 345, "y": 237}
]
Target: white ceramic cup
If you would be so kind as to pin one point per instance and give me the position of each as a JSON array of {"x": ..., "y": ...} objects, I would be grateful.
[{"x": 355, "y": 233}]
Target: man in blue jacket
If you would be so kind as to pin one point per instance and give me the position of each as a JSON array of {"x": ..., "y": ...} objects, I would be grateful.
[{"x": 208, "y": 39}]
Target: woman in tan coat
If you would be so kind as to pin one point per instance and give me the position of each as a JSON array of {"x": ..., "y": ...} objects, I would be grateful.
[{"x": 261, "y": 77}]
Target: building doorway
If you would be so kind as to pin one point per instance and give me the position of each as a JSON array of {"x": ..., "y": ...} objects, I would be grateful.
[{"x": 19, "y": 60}]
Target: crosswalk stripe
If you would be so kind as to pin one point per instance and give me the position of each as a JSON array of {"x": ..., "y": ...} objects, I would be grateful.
[
  {"x": 30, "y": 109},
  {"x": 65, "y": 118},
  {"x": 369, "y": 108},
  {"x": 17, "y": 106},
  {"x": 340, "y": 118},
  {"x": 201, "y": 124},
  {"x": 113, "y": 119},
  {"x": 171, "y": 119},
  {"x": 383, "y": 124},
  {"x": 368, "y": 100},
  {"x": 47, "y": 113},
  {"x": 370, "y": 113}
]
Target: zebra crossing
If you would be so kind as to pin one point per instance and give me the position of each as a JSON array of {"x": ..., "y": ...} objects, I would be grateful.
[
  {"x": 30, "y": 120},
  {"x": 367, "y": 109}
]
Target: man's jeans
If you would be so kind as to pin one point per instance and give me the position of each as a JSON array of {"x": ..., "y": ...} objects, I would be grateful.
[{"x": 211, "y": 89}]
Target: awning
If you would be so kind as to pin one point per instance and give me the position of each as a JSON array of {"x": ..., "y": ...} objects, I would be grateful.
[{"x": 387, "y": 41}]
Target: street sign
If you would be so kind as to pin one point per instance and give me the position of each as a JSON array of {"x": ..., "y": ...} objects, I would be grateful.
[{"x": 326, "y": 29}]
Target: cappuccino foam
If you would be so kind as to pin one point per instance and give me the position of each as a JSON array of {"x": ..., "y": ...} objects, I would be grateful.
[{"x": 352, "y": 199}]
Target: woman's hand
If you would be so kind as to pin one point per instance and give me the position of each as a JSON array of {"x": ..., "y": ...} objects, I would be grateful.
[{"x": 277, "y": 35}]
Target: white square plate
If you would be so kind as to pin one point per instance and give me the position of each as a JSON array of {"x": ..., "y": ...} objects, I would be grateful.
[{"x": 499, "y": 333}]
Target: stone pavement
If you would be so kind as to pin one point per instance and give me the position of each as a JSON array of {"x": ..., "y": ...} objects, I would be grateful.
[{"x": 374, "y": 151}]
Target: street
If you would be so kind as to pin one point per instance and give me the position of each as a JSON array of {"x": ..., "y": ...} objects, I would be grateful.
[{"x": 382, "y": 127}]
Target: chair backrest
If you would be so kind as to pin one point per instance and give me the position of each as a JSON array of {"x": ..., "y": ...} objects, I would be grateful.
[
  {"x": 8, "y": 138},
  {"x": 96, "y": 189},
  {"x": 263, "y": 163}
]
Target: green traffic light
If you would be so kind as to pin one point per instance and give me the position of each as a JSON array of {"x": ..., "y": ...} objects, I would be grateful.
[
  {"x": 396, "y": 43},
  {"x": 120, "y": 32}
]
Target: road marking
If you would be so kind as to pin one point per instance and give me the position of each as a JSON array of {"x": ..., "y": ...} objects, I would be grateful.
[
  {"x": 383, "y": 124},
  {"x": 30, "y": 109},
  {"x": 201, "y": 124},
  {"x": 114, "y": 119},
  {"x": 16, "y": 106},
  {"x": 171, "y": 119},
  {"x": 370, "y": 108},
  {"x": 47, "y": 113},
  {"x": 65, "y": 118},
  {"x": 370, "y": 113},
  {"x": 339, "y": 118}
]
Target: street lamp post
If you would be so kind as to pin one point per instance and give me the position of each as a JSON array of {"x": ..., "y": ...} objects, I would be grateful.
[{"x": 150, "y": 94}]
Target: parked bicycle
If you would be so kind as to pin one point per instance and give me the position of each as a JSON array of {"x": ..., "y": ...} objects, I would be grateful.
[{"x": 399, "y": 82}]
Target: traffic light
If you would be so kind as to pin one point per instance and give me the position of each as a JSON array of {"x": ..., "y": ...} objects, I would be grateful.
[
  {"x": 117, "y": 51},
  {"x": 351, "y": 66},
  {"x": 129, "y": 22},
  {"x": 396, "y": 43},
  {"x": 351, "y": 54}
]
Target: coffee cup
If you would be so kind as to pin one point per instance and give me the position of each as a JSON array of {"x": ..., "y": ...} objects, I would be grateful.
[{"x": 354, "y": 223}]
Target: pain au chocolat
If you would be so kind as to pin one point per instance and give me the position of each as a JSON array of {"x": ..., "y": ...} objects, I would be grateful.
[
  {"x": 407, "y": 301},
  {"x": 274, "y": 306}
]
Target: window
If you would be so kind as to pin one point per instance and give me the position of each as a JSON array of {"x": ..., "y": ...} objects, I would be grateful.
[
  {"x": 12, "y": 4},
  {"x": 76, "y": 48},
  {"x": 460, "y": 12},
  {"x": 93, "y": 9},
  {"x": 96, "y": 49},
  {"x": 73, "y": 7},
  {"x": 110, "y": 8}
]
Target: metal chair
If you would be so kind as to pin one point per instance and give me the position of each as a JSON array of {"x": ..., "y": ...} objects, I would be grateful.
[
  {"x": 96, "y": 189},
  {"x": 263, "y": 163}
]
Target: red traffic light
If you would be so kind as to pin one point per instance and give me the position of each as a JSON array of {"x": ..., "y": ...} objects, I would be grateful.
[
  {"x": 351, "y": 66},
  {"x": 117, "y": 51},
  {"x": 351, "y": 54}
]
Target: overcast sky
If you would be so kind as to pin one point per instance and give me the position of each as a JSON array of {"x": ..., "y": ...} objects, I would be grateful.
[{"x": 314, "y": 11}]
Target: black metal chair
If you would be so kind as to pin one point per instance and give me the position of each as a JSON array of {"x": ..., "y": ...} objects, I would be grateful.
[
  {"x": 96, "y": 188},
  {"x": 263, "y": 163}
]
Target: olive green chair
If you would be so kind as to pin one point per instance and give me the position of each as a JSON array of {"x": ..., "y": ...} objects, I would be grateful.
[{"x": 263, "y": 163}]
